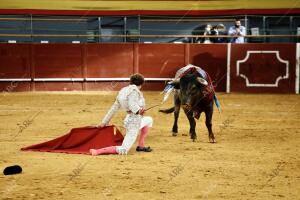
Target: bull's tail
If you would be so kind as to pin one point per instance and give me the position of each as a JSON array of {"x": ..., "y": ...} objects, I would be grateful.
[{"x": 167, "y": 111}]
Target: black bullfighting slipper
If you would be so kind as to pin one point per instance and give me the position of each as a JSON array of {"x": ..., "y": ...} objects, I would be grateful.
[{"x": 144, "y": 149}]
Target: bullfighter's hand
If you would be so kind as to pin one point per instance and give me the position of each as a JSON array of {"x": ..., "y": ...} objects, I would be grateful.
[
  {"x": 101, "y": 125},
  {"x": 141, "y": 111}
]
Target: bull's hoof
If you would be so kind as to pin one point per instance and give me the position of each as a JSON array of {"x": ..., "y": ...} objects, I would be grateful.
[
  {"x": 212, "y": 140},
  {"x": 194, "y": 138},
  {"x": 174, "y": 134}
]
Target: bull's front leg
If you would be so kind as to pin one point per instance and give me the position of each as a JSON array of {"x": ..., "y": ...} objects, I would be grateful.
[
  {"x": 176, "y": 115},
  {"x": 208, "y": 122},
  {"x": 189, "y": 114}
]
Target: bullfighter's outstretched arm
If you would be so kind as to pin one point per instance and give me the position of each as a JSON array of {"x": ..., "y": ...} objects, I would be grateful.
[{"x": 114, "y": 108}]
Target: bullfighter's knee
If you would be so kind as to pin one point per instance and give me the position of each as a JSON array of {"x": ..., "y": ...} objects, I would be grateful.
[
  {"x": 146, "y": 121},
  {"x": 121, "y": 150}
]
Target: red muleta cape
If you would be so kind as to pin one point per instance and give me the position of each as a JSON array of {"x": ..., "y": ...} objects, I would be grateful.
[{"x": 81, "y": 140}]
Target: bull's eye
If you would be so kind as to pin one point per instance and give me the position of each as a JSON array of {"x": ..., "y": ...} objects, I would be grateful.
[{"x": 193, "y": 90}]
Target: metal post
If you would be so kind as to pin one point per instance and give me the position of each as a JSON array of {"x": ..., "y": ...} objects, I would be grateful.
[
  {"x": 264, "y": 27},
  {"x": 31, "y": 28},
  {"x": 125, "y": 27},
  {"x": 139, "y": 27},
  {"x": 99, "y": 30},
  {"x": 291, "y": 30},
  {"x": 246, "y": 26}
]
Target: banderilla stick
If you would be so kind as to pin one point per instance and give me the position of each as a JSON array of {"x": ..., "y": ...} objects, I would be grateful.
[{"x": 152, "y": 107}]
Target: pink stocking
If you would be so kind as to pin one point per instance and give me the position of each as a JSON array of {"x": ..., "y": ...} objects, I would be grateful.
[
  {"x": 143, "y": 135},
  {"x": 106, "y": 150}
]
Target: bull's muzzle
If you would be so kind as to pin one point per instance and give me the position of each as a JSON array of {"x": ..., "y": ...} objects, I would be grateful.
[{"x": 187, "y": 106}]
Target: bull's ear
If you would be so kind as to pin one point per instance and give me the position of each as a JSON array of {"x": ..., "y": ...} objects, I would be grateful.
[
  {"x": 175, "y": 83},
  {"x": 202, "y": 81}
]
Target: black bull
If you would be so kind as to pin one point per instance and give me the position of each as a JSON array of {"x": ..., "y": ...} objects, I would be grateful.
[{"x": 195, "y": 95}]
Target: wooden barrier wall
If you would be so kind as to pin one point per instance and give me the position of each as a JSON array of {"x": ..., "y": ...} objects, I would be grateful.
[{"x": 259, "y": 68}]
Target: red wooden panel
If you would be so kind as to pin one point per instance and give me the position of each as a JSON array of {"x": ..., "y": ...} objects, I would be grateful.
[
  {"x": 14, "y": 61},
  {"x": 117, "y": 85},
  {"x": 58, "y": 86},
  {"x": 13, "y": 86},
  {"x": 106, "y": 86},
  {"x": 213, "y": 59},
  {"x": 264, "y": 64},
  {"x": 153, "y": 86},
  {"x": 160, "y": 60},
  {"x": 57, "y": 60},
  {"x": 109, "y": 60}
]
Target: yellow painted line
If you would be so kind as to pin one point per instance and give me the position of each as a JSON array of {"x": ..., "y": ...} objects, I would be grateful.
[{"x": 148, "y": 5}]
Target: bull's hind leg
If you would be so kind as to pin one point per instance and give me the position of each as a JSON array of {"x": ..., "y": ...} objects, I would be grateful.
[
  {"x": 192, "y": 121},
  {"x": 176, "y": 114},
  {"x": 208, "y": 122}
]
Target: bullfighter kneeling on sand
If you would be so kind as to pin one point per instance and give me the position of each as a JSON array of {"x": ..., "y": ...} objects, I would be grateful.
[{"x": 131, "y": 99}]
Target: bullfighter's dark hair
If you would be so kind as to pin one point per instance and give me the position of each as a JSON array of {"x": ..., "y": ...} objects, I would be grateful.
[
  {"x": 137, "y": 79},
  {"x": 237, "y": 19}
]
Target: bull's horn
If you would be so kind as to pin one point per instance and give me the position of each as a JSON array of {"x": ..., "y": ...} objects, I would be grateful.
[
  {"x": 176, "y": 81},
  {"x": 202, "y": 81}
]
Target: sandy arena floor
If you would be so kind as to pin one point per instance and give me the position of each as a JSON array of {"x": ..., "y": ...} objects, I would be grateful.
[{"x": 256, "y": 157}]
